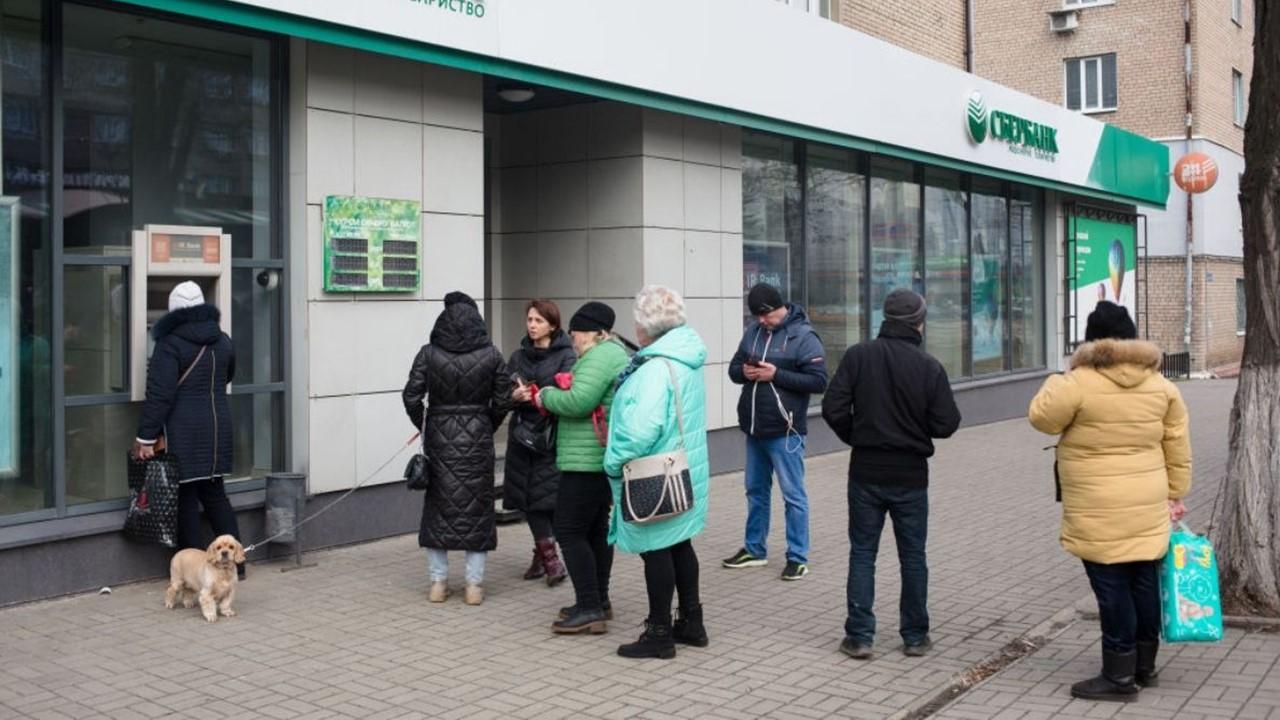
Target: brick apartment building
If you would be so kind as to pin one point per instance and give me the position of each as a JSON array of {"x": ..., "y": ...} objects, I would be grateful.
[{"x": 1121, "y": 62}]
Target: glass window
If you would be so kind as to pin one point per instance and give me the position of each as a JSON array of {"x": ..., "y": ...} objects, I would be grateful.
[
  {"x": 95, "y": 332},
  {"x": 946, "y": 268},
  {"x": 990, "y": 248},
  {"x": 1026, "y": 305},
  {"x": 257, "y": 421},
  {"x": 834, "y": 221},
  {"x": 895, "y": 233},
  {"x": 26, "y": 259},
  {"x": 1091, "y": 83},
  {"x": 1238, "y": 96},
  {"x": 771, "y": 215},
  {"x": 1237, "y": 10},
  {"x": 164, "y": 124},
  {"x": 1242, "y": 307},
  {"x": 255, "y": 325},
  {"x": 97, "y": 438}
]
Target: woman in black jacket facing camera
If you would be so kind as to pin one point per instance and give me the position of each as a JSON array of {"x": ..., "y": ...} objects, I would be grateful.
[
  {"x": 187, "y": 411},
  {"x": 530, "y": 480},
  {"x": 463, "y": 381}
]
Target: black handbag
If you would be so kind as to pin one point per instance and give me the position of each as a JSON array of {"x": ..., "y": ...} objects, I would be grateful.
[
  {"x": 657, "y": 487},
  {"x": 417, "y": 473},
  {"x": 153, "y": 500},
  {"x": 537, "y": 435}
]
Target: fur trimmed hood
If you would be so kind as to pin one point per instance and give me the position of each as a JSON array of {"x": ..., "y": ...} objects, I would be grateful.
[{"x": 1125, "y": 362}]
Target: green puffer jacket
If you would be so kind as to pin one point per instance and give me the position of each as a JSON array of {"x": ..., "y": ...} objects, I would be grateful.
[{"x": 594, "y": 376}]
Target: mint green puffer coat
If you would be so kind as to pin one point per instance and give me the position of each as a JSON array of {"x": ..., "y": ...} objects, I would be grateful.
[{"x": 643, "y": 422}]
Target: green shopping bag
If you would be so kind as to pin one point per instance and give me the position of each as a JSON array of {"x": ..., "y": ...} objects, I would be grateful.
[{"x": 1190, "y": 602}]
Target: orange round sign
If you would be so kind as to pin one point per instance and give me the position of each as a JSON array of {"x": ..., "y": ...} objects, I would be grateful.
[{"x": 1195, "y": 172}]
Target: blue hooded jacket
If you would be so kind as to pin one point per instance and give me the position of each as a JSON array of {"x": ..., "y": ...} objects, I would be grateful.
[{"x": 770, "y": 410}]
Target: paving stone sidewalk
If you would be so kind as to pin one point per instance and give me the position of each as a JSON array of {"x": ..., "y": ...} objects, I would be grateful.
[{"x": 354, "y": 637}]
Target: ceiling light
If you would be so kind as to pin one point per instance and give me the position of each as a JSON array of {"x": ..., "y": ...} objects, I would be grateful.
[{"x": 516, "y": 94}]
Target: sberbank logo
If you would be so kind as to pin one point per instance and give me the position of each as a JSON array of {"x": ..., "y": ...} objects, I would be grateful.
[
  {"x": 1025, "y": 137},
  {"x": 977, "y": 117}
]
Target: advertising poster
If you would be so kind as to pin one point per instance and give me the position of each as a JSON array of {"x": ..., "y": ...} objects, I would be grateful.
[
  {"x": 9, "y": 339},
  {"x": 372, "y": 244},
  {"x": 1106, "y": 261}
]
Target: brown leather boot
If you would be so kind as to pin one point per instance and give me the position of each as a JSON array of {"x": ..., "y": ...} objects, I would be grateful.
[
  {"x": 535, "y": 570},
  {"x": 556, "y": 572}
]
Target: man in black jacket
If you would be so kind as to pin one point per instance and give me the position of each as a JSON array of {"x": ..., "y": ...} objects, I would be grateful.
[
  {"x": 780, "y": 363},
  {"x": 888, "y": 400}
]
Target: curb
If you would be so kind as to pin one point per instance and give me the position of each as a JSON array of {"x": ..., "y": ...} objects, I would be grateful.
[{"x": 974, "y": 675}]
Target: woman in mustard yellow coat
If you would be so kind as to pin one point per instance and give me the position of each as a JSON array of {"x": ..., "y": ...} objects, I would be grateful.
[{"x": 1124, "y": 463}]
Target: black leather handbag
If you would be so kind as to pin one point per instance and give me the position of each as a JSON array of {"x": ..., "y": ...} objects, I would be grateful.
[
  {"x": 417, "y": 473},
  {"x": 537, "y": 435}
]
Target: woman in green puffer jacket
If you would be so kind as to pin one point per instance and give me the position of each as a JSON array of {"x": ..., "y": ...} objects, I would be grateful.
[
  {"x": 581, "y": 404},
  {"x": 665, "y": 375}
]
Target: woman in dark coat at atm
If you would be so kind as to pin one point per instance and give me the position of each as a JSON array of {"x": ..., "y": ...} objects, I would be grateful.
[{"x": 187, "y": 411}]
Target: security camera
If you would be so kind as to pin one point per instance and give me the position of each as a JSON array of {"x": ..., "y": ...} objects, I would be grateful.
[{"x": 269, "y": 279}]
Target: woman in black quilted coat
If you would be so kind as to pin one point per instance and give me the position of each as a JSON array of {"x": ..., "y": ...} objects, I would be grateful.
[
  {"x": 187, "y": 411},
  {"x": 461, "y": 378},
  {"x": 530, "y": 479}
]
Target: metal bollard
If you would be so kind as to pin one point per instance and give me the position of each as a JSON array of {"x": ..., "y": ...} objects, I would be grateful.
[{"x": 286, "y": 503}]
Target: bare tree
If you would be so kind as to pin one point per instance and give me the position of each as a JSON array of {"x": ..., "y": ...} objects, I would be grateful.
[{"x": 1247, "y": 524}]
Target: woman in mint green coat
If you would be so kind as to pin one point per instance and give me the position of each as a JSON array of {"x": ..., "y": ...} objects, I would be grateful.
[{"x": 643, "y": 422}]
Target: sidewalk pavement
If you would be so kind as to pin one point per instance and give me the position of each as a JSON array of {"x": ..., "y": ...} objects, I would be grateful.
[{"x": 355, "y": 637}]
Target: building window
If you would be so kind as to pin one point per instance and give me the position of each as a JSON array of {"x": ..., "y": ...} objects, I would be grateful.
[
  {"x": 1091, "y": 83},
  {"x": 1241, "y": 307},
  {"x": 821, "y": 8},
  {"x": 153, "y": 132},
  {"x": 1237, "y": 10},
  {"x": 1238, "y": 96},
  {"x": 837, "y": 230}
]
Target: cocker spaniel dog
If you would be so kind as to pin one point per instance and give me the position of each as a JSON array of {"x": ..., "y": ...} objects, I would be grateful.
[{"x": 208, "y": 576}]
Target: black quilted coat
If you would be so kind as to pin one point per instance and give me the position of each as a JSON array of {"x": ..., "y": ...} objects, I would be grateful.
[
  {"x": 530, "y": 480},
  {"x": 195, "y": 418},
  {"x": 465, "y": 384}
]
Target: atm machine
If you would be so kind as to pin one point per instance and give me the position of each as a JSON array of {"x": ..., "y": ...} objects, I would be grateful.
[{"x": 163, "y": 256}]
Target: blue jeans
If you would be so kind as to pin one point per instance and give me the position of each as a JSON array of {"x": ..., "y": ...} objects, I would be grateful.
[
  {"x": 1128, "y": 602},
  {"x": 784, "y": 456},
  {"x": 438, "y": 565},
  {"x": 909, "y": 509}
]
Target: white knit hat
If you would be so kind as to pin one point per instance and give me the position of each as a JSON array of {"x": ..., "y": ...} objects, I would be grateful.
[{"x": 186, "y": 294}]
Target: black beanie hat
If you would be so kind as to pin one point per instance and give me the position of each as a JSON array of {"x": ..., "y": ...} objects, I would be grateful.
[
  {"x": 592, "y": 317},
  {"x": 906, "y": 306},
  {"x": 764, "y": 299},
  {"x": 1110, "y": 321},
  {"x": 457, "y": 296}
]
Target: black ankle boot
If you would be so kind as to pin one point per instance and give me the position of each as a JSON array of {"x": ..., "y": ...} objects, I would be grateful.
[
  {"x": 688, "y": 628},
  {"x": 568, "y": 610},
  {"x": 581, "y": 621},
  {"x": 654, "y": 642},
  {"x": 1145, "y": 673},
  {"x": 1115, "y": 684}
]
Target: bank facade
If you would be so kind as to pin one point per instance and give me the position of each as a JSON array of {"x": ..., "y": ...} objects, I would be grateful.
[{"x": 335, "y": 168}]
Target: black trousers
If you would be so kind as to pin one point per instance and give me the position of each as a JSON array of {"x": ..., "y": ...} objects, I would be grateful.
[
  {"x": 667, "y": 570},
  {"x": 1128, "y": 602},
  {"x": 541, "y": 524},
  {"x": 582, "y": 529},
  {"x": 213, "y": 497}
]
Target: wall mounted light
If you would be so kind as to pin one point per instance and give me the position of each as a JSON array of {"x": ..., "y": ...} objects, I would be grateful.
[{"x": 516, "y": 93}]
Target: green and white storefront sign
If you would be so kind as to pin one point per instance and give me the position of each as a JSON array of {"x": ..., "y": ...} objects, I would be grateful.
[
  {"x": 372, "y": 244},
  {"x": 9, "y": 337},
  {"x": 1104, "y": 252},
  {"x": 1023, "y": 136}
]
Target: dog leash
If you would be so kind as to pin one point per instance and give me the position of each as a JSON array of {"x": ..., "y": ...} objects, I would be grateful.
[{"x": 323, "y": 510}]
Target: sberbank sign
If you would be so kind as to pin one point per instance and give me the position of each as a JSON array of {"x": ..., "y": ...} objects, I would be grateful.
[
  {"x": 1025, "y": 137},
  {"x": 469, "y": 8}
]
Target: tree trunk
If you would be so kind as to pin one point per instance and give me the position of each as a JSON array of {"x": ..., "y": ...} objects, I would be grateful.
[{"x": 1247, "y": 526}]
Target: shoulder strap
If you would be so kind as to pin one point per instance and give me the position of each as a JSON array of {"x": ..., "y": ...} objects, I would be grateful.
[
  {"x": 193, "y": 365},
  {"x": 675, "y": 388}
]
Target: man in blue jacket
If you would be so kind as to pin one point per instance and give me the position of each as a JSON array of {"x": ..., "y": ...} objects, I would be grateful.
[{"x": 780, "y": 363}]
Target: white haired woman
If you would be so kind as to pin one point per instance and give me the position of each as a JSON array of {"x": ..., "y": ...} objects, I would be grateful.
[{"x": 659, "y": 407}]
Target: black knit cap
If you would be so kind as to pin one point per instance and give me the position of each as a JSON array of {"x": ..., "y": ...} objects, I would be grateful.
[
  {"x": 457, "y": 296},
  {"x": 1110, "y": 321},
  {"x": 592, "y": 317},
  {"x": 905, "y": 306},
  {"x": 764, "y": 299}
]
